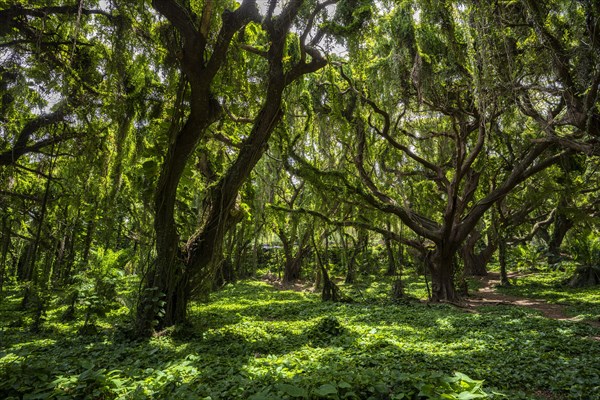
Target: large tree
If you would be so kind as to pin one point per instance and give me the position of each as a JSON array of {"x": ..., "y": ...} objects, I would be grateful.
[
  {"x": 418, "y": 150},
  {"x": 213, "y": 38}
]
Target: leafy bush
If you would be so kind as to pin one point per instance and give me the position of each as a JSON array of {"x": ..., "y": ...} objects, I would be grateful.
[
  {"x": 96, "y": 287},
  {"x": 325, "y": 329}
]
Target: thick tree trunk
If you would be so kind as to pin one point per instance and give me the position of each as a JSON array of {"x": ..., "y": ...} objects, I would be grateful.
[
  {"x": 330, "y": 290},
  {"x": 179, "y": 273},
  {"x": 293, "y": 264},
  {"x": 167, "y": 279},
  {"x": 165, "y": 298},
  {"x": 398, "y": 288},
  {"x": 442, "y": 268},
  {"x": 476, "y": 263},
  {"x": 562, "y": 225},
  {"x": 293, "y": 261}
]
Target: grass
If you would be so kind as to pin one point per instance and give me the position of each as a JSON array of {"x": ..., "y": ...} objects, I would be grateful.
[{"x": 253, "y": 341}]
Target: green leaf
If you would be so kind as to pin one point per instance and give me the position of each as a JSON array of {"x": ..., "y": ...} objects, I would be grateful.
[
  {"x": 326, "y": 390},
  {"x": 344, "y": 385},
  {"x": 292, "y": 390},
  {"x": 469, "y": 395}
]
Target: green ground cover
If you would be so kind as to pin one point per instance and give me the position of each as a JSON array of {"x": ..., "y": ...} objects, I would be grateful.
[
  {"x": 253, "y": 341},
  {"x": 551, "y": 285}
]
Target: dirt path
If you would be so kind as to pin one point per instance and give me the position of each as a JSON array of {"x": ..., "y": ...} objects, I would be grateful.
[{"x": 487, "y": 295}]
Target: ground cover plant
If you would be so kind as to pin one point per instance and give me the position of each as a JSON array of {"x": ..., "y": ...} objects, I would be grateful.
[
  {"x": 254, "y": 341},
  {"x": 552, "y": 285},
  {"x": 265, "y": 199}
]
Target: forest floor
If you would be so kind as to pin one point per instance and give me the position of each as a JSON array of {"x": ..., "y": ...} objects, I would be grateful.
[
  {"x": 487, "y": 295},
  {"x": 263, "y": 340}
]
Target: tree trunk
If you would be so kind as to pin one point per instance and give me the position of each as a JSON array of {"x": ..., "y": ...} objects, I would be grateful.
[
  {"x": 350, "y": 260},
  {"x": 475, "y": 263},
  {"x": 47, "y": 270},
  {"x": 168, "y": 277},
  {"x": 61, "y": 247},
  {"x": 351, "y": 269},
  {"x": 59, "y": 259},
  {"x": 442, "y": 268},
  {"x": 241, "y": 247},
  {"x": 70, "y": 258},
  {"x": 562, "y": 225},
  {"x": 292, "y": 267},
  {"x": 179, "y": 273},
  {"x": 24, "y": 265},
  {"x": 293, "y": 261},
  {"x": 397, "y": 288},
  {"x": 391, "y": 269},
  {"x": 330, "y": 290},
  {"x": 363, "y": 251},
  {"x": 585, "y": 276},
  {"x": 89, "y": 236},
  {"x": 43, "y": 211},
  {"x": 6, "y": 238},
  {"x": 318, "y": 272},
  {"x": 502, "y": 260}
]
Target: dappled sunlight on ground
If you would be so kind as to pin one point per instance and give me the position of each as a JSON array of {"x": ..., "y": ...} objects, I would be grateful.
[{"x": 252, "y": 338}]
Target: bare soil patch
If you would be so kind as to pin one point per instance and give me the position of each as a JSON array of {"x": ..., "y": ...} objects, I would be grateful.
[{"x": 296, "y": 286}]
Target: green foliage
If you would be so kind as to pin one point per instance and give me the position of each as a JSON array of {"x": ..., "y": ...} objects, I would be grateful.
[
  {"x": 585, "y": 248},
  {"x": 550, "y": 285},
  {"x": 254, "y": 341},
  {"x": 350, "y": 17},
  {"x": 325, "y": 329},
  {"x": 98, "y": 288},
  {"x": 529, "y": 257}
]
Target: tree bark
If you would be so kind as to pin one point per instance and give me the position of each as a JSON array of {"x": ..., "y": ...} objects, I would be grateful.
[
  {"x": 293, "y": 260},
  {"x": 167, "y": 286},
  {"x": 475, "y": 263},
  {"x": 330, "y": 291},
  {"x": 562, "y": 225},
  {"x": 442, "y": 268},
  {"x": 181, "y": 272},
  {"x": 6, "y": 239},
  {"x": 350, "y": 257},
  {"x": 24, "y": 263},
  {"x": 391, "y": 269},
  {"x": 89, "y": 236},
  {"x": 502, "y": 261}
]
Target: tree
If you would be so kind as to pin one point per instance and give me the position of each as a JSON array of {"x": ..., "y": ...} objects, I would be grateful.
[
  {"x": 207, "y": 47},
  {"x": 418, "y": 153}
]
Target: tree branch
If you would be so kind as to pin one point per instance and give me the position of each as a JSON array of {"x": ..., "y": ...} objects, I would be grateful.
[{"x": 21, "y": 147}]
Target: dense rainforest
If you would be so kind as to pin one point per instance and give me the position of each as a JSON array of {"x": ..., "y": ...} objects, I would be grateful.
[{"x": 277, "y": 199}]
